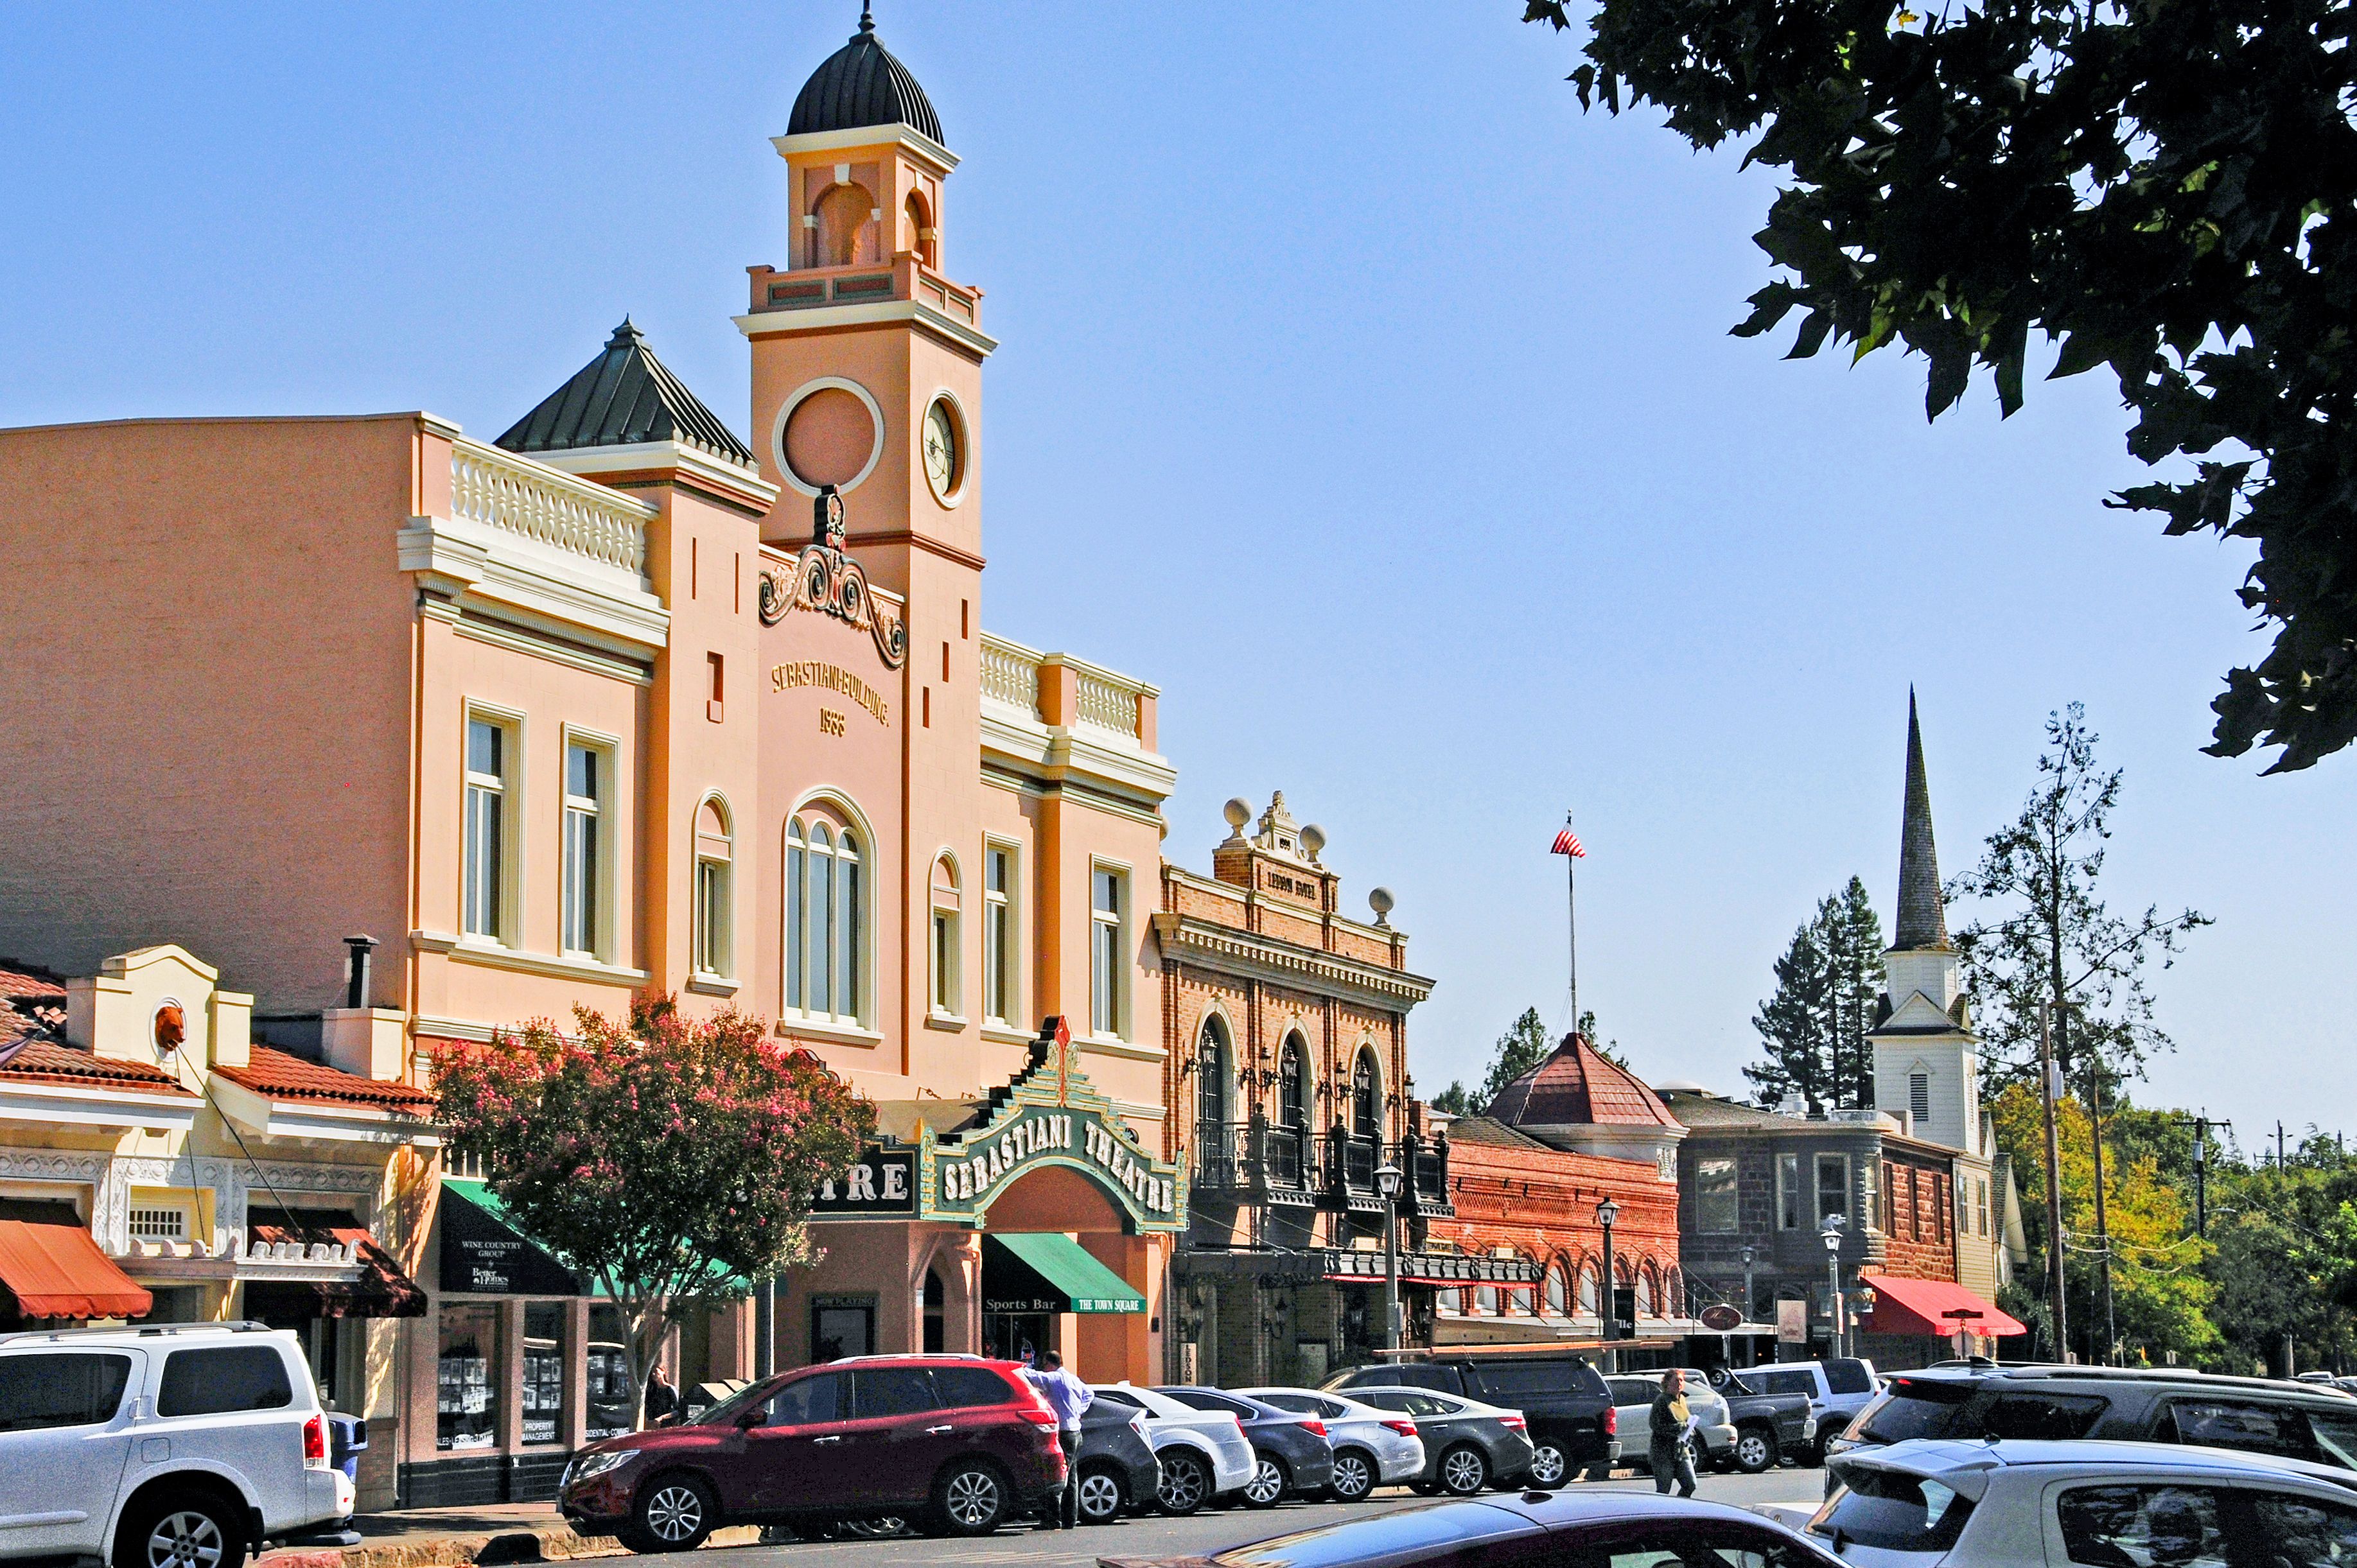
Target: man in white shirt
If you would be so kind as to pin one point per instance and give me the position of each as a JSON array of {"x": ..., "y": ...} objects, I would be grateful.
[{"x": 1068, "y": 1397}]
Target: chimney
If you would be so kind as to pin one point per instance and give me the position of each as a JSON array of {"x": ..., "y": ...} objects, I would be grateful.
[{"x": 356, "y": 970}]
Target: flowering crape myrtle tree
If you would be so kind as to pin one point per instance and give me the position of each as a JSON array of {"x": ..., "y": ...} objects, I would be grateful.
[{"x": 669, "y": 1160}]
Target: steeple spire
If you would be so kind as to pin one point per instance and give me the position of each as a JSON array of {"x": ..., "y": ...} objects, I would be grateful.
[{"x": 1922, "y": 914}]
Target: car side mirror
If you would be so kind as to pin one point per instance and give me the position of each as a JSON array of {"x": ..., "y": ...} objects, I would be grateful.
[{"x": 758, "y": 1416}]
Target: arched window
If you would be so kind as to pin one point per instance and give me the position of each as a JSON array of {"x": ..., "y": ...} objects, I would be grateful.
[
  {"x": 1590, "y": 1292},
  {"x": 1366, "y": 1098},
  {"x": 1485, "y": 1300},
  {"x": 825, "y": 919},
  {"x": 1558, "y": 1289},
  {"x": 714, "y": 949},
  {"x": 949, "y": 991},
  {"x": 918, "y": 237},
  {"x": 1292, "y": 1085},
  {"x": 843, "y": 216},
  {"x": 1214, "y": 1146},
  {"x": 1647, "y": 1304}
]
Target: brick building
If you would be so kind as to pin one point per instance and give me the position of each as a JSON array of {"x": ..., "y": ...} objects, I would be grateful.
[{"x": 1286, "y": 1027}]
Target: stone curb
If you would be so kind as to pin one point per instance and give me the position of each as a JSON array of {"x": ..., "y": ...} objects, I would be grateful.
[{"x": 549, "y": 1543}]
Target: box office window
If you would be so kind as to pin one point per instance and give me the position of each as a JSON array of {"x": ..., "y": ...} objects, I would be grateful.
[
  {"x": 466, "y": 1379},
  {"x": 543, "y": 1372}
]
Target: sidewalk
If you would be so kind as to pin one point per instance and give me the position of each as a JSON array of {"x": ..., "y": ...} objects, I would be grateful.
[{"x": 448, "y": 1538}]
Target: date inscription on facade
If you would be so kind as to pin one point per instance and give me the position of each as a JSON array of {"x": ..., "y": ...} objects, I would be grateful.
[{"x": 831, "y": 678}]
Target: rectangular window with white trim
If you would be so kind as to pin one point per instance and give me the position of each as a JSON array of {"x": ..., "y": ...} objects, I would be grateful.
[
  {"x": 948, "y": 990},
  {"x": 588, "y": 783},
  {"x": 998, "y": 953},
  {"x": 1833, "y": 1186},
  {"x": 1108, "y": 944},
  {"x": 488, "y": 874}
]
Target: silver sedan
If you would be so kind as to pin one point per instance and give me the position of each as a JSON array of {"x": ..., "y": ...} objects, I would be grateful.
[{"x": 1372, "y": 1447}]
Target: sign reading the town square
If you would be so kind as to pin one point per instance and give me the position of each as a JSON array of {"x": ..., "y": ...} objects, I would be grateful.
[
  {"x": 1050, "y": 1115},
  {"x": 882, "y": 1185}
]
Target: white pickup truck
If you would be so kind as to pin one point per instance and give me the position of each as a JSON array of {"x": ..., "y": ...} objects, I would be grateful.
[{"x": 185, "y": 1445}]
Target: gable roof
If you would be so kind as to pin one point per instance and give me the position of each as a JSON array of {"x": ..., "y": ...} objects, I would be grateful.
[
  {"x": 278, "y": 1075},
  {"x": 1577, "y": 1085},
  {"x": 41, "y": 1060},
  {"x": 621, "y": 398}
]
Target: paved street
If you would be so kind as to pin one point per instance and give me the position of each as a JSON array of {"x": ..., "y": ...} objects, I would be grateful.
[{"x": 1209, "y": 1532}]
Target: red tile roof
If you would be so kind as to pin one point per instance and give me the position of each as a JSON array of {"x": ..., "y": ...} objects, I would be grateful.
[
  {"x": 279, "y": 1076},
  {"x": 1578, "y": 1085},
  {"x": 46, "y": 1061},
  {"x": 33, "y": 985}
]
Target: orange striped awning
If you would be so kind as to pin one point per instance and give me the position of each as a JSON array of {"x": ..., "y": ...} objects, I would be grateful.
[{"x": 57, "y": 1270}]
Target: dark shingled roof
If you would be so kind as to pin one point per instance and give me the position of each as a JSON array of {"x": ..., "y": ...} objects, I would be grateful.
[
  {"x": 1922, "y": 914},
  {"x": 1484, "y": 1130},
  {"x": 1578, "y": 1085},
  {"x": 620, "y": 398},
  {"x": 862, "y": 84}
]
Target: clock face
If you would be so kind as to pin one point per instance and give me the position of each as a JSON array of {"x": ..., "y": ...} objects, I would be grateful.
[{"x": 942, "y": 456}]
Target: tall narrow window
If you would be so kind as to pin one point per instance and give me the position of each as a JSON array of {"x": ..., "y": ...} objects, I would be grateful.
[
  {"x": 998, "y": 934},
  {"x": 585, "y": 785},
  {"x": 489, "y": 747},
  {"x": 1833, "y": 1186},
  {"x": 1715, "y": 1206},
  {"x": 1293, "y": 1098},
  {"x": 1919, "y": 1099},
  {"x": 714, "y": 943},
  {"x": 1211, "y": 1102},
  {"x": 825, "y": 923},
  {"x": 1366, "y": 1103},
  {"x": 1109, "y": 1015},
  {"x": 949, "y": 999},
  {"x": 1789, "y": 1196}
]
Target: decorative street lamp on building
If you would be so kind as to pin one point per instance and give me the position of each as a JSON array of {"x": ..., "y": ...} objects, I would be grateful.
[
  {"x": 1387, "y": 1182},
  {"x": 1607, "y": 1298},
  {"x": 1832, "y": 1232}
]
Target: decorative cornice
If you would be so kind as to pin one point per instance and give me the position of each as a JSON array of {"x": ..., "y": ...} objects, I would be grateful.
[
  {"x": 953, "y": 333},
  {"x": 1251, "y": 956},
  {"x": 903, "y": 135}
]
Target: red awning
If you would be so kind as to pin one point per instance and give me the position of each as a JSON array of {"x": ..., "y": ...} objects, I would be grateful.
[
  {"x": 1914, "y": 1306},
  {"x": 57, "y": 1270}
]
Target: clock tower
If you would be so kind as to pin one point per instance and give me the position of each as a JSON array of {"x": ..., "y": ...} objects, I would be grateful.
[{"x": 867, "y": 358}]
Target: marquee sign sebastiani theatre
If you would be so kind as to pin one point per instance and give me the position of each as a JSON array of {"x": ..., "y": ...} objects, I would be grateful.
[{"x": 1051, "y": 1115}]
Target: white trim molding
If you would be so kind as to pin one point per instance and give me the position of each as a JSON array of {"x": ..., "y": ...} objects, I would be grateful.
[{"x": 491, "y": 955}]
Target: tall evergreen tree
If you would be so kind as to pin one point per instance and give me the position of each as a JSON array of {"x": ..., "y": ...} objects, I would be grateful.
[
  {"x": 1814, "y": 1028},
  {"x": 1521, "y": 1047}
]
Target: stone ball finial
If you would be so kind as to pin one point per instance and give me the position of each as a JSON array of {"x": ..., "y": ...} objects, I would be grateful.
[
  {"x": 1238, "y": 811},
  {"x": 1379, "y": 899},
  {"x": 1313, "y": 839}
]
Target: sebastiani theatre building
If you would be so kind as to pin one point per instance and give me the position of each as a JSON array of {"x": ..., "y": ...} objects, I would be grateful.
[{"x": 624, "y": 701}]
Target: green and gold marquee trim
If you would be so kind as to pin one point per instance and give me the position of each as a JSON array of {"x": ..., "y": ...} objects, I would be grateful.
[{"x": 1049, "y": 1114}]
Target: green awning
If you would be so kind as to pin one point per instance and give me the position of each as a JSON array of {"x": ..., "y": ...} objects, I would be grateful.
[{"x": 1027, "y": 1270}]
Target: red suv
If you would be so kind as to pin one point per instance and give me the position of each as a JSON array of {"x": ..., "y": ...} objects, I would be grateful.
[{"x": 957, "y": 1444}]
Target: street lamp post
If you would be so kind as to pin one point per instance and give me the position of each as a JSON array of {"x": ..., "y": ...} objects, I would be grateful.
[
  {"x": 1387, "y": 1182},
  {"x": 1607, "y": 1297},
  {"x": 1833, "y": 1273},
  {"x": 1749, "y": 1252}
]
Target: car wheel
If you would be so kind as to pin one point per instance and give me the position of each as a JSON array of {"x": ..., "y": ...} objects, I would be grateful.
[
  {"x": 191, "y": 1531},
  {"x": 673, "y": 1513},
  {"x": 1755, "y": 1450},
  {"x": 1269, "y": 1480},
  {"x": 881, "y": 1529},
  {"x": 1101, "y": 1496},
  {"x": 1354, "y": 1475},
  {"x": 1464, "y": 1471},
  {"x": 1186, "y": 1484},
  {"x": 1548, "y": 1467},
  {"x": 970, "y": 1499}
]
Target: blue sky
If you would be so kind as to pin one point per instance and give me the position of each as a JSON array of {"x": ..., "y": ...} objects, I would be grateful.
[{"x": 1401, "y": 385}]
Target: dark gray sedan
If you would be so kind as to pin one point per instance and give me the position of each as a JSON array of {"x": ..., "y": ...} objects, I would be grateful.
[
  {"x": 1292, "y": 1454},
  {"x": 1468, "y": 1446},
  {"x": 1117, "y": 1470}
]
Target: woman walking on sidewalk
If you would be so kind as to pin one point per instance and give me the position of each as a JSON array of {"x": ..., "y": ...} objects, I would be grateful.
[{"x": 1667, "y": 1436}]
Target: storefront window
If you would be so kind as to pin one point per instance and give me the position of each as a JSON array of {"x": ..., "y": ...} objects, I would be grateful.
[
  {"x": 612, "y": 1406},
  {"x": 466, "y": 1379},
  {"x": 543, "y": 1372}
]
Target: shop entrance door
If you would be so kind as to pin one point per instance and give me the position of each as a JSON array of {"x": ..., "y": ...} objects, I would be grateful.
[{"x": 1016, "y": 1335}]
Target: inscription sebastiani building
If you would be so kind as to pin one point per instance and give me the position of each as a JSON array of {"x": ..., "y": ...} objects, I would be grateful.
[{"x": 831, "y": 678}]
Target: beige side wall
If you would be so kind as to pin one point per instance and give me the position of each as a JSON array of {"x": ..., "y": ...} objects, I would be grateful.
[{"x": 209, "y": 666}]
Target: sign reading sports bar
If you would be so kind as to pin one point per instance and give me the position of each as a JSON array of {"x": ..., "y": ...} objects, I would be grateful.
[{"x": 1049, "y": 1114}]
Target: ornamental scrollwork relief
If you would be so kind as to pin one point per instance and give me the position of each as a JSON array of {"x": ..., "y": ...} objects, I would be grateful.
[{"x": 824, "y": 579}]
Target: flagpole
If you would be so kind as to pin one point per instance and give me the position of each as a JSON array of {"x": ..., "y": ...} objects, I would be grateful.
[{"x": 1571, "y": 924}]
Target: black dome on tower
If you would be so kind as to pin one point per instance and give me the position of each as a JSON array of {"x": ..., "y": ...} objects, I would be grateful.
[{"x": 862, "y": 84}]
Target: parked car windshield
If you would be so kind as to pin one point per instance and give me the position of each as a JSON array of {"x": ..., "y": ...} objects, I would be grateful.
[
  {"x": 1894, "y": 1513},
  {"x": 1915, "y": 1407},
  {"x": 1391, "y": 1535}
]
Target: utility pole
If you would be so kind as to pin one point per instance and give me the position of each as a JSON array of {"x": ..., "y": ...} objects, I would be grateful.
[
  {"x": 2102, "y": 1228},
  {"x": 2279, "y": 1149},
  {"x": 2048, "y": 1085},
  {"x": 2201, "y": 1175}
]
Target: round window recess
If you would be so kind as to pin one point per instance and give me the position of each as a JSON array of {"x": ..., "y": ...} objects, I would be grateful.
[
  {"x": 944, "y": 451},
  {"x": 829, "y": 439}
]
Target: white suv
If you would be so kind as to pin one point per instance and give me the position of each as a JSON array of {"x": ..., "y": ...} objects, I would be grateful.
[{"x": 180, "y": 1446}]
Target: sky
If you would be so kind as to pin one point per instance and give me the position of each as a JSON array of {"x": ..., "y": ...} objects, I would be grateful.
[{"x": 1355, "y": 387}]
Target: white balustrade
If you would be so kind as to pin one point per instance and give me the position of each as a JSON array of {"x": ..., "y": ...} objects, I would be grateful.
[
  {"x": 1011, "y": 674},
  {"x": 500, "y": 490},
  {"x": 1106, "y": 705}
]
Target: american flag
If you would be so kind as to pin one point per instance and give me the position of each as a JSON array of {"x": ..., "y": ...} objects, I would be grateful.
[{"x": 1567, "y": 842}]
